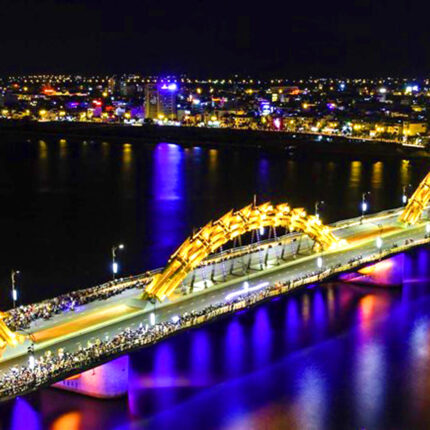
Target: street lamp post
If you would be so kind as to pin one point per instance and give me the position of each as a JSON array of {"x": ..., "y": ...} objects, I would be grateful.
[
  {"x": 317, "y": 206},
  {"x": 115, "y": 248},
  {"x": 31, "y": 358},
  {"x": 13, "y": 275},
  {"x": 379, "y": 243},
  {"x": 364, "y": 205},
  {"x": 405, "y": 194},
  {"x": 319, "y": 266}
]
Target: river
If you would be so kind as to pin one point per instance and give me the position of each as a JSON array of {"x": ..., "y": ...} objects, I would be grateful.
[{"x": 334, "y": 356}]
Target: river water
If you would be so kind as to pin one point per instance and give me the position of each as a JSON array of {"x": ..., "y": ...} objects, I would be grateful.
[{"x": 334, "y": 356}]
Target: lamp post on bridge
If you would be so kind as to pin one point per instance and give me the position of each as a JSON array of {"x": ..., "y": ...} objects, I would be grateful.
[
  {"x": 319, "y": 262},
  {"x": 13, "y": 275},
  {"x": 317, "y": 207},
  {"x": 405, "y": 194},
  {"x": 364, "y": 204},
  {"x": 379, "y": 243},
  {"x": 31, "y": 358},
  {"x": 115, "y": 249}
]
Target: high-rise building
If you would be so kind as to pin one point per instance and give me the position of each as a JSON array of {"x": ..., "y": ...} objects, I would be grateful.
[
  {"x": 111, "y": 84},
  {"x": 160, "y": 101},
  {"x": 151, "y": 101}
]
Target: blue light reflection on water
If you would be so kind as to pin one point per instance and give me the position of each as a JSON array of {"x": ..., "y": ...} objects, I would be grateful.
[
  {"x": 24, "y": 416},
  {"x": 166, "y": 214},
  {"x": 201, "y": 359}
]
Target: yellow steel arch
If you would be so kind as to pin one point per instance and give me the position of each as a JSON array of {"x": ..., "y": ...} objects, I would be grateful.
[
  {"x": 233, "y": 224},
  {"x": 7, "y": 336},
  {"x": 419, "y": 200}
]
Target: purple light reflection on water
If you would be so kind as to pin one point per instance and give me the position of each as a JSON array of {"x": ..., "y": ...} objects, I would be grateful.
[
  {"x": 168, "y": 185},
  {"x": 234, "y": 348},
  {"x": 24, "y": 416},
  {"x": 292, "y": 323},
  {"x": 201, "y": 358},
  {"x": 369, "y": 372},
  {"x": 263, "y": 183},
  {"x": 261, "y": 337},
  {"x": 319, "y": 315},
  {"x": 164, "y": 365}
]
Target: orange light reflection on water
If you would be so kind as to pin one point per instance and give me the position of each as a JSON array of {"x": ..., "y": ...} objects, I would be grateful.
[
  {"x": 367, "y": 308},
  {"x": 68, "y": 421}
]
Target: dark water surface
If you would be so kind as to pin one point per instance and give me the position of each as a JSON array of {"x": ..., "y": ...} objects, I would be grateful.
[
  {"x": 334, "y": 356},
  {"x": 65, "y": 204}
]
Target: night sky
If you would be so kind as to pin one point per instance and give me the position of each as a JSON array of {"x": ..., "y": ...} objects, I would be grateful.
[{"x": 214, "y": 38}]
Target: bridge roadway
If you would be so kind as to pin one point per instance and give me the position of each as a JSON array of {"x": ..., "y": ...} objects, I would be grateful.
[{"x": 107, "y": 318}]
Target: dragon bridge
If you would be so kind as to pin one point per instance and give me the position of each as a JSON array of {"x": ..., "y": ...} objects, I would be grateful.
[
  {"x": 230, "y": 226},
  {"x": 417, "y": 203}
]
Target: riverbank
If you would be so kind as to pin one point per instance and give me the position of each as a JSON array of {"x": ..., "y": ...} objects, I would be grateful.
[{"x": 293, "y": 144}]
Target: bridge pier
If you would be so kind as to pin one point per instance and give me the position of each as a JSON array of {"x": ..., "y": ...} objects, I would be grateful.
[{"x": 106, "y": 381}]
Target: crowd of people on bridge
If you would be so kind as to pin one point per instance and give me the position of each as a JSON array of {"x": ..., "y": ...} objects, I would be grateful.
[
  {"x": 21, "y": 317},
  {"x": 53, "y": 367}
]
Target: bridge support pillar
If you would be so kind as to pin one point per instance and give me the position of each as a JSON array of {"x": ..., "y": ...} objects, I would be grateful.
[
  {"x": 193, "y": 279},
  {"x": 213, "y": 274},
  {"x": 106, "y": 381}
]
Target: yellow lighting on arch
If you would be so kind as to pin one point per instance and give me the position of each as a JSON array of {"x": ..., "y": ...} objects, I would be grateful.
[
  {"x": 416, "y": 204},
  {"x": 234, "y": 224},
  {"x": 8, "y": 337}
]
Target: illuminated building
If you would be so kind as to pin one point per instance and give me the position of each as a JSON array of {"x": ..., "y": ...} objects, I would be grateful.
[
  {"x": 111, "y": 84},
  {"x": 160, "y": 101}
]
